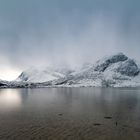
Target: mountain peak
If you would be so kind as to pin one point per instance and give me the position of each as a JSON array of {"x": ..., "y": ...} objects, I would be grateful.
[{"x": 102, "y": 64}]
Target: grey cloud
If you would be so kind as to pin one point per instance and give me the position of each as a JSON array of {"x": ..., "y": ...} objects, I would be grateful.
[{"x": 58, "y": 32}]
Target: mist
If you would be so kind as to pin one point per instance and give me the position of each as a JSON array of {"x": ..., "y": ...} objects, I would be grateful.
[{"x": 60, "y": 33}]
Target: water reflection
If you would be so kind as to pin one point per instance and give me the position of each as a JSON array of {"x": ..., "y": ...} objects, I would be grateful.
[
  {"x": 50, "y": 113},
  {"x": 10, "y": 99}
]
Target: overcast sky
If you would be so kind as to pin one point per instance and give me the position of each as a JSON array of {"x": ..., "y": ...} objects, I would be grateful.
[{"x": 65, "y": 32}]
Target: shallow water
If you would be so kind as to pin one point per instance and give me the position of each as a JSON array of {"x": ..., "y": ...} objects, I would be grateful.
[{"x": 70, "y": 114}]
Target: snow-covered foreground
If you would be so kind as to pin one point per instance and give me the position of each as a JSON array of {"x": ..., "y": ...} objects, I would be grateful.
[{"x": 113, "y": 71}]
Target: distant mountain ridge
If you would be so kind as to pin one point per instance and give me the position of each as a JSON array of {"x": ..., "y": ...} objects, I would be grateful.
[
  {"x": 35, "y": 75},
  {"x": 113, "y": 71}
]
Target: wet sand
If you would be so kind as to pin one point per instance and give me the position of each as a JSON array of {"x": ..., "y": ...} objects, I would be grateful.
[{"x": 70, "y": 114}]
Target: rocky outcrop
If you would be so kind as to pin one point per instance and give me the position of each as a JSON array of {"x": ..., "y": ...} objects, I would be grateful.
[
  {"x": 102, "y": 64},
  {"x": 128, "y": 68}
]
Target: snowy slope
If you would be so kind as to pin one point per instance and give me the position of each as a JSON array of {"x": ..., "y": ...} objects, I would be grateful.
[{"x": 34, "y": 75}]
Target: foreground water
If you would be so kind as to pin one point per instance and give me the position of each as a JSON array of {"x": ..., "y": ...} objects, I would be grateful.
[{"x": 70, "y": 114}]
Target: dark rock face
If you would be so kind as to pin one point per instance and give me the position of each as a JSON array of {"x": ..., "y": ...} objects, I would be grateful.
[
  {"x": 102, "y": 65},
  {"x": 121, "y": 64},
  {"x": 128, "y": 68},
  {"x": 3, "y": 84},
  {"x": 23, "y": 76}
]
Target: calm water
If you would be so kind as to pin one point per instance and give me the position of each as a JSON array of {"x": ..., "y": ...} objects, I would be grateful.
[{"x": 70, "y": 114}]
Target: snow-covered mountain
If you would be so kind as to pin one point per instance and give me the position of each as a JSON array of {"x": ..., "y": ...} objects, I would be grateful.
[
  {"x": 34, "y": 75},
  {"x": 115, "y": 71}
]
